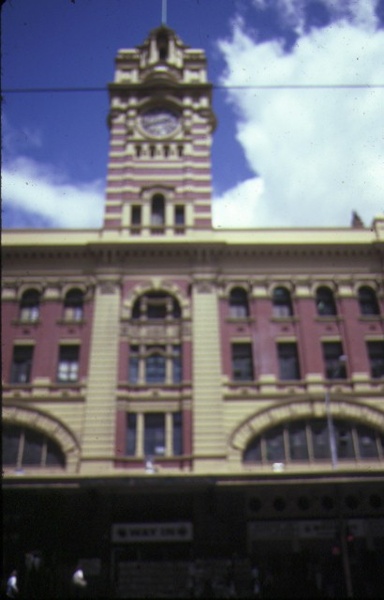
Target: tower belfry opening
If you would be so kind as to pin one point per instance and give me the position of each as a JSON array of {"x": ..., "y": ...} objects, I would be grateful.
[{"x": 162, "y": 45}]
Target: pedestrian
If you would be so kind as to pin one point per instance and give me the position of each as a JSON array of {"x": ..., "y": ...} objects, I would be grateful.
[
  {"x": 79, "y": 582},
  {"x": 12, "y": 587}
]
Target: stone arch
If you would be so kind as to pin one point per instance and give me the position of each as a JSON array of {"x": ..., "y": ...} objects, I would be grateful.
[
  {"x": 156, "y": 286},
  {"x": 310, "y": 408},
  {"x": 50, "y": 426}
]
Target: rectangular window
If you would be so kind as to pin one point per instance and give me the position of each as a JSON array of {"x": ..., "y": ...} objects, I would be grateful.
[
  {"x": 179, "y": 216},
  {"x": 130, "y": 447},
  {"x": 289, "y": 368},
  {"x": 242, "y": 362},
  {"x": 134, "y": 364},
  {"x": 155, "y": 365},
  {"x": 177, "y": 433},
  {"x": 376, "y": 358},
  {"x": 21, "y": 364},
  {"x": 136, "y": 215},
  {"x": 176, "y": 364},
  {"x": 334, "y": 360},
  {"x": 68, "y": 368},
  {"x": 154, "y": 434}
]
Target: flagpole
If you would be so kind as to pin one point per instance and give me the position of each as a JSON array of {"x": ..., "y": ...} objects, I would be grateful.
[{"x": 164, "y": 12}]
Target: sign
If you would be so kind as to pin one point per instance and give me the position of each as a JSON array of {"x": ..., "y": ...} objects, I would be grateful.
[{"x": 129, "y": 533}]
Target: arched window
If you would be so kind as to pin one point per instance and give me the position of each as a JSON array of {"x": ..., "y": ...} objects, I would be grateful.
[
  {"x": 162, "y": 45},
  {"x": 238, "y": 303},
  {"x": 73, "y": 305},
  {"x": 26, "y": 447},
  {"x": 309, "y": 441},
  {"x": 281, "y": 302},
  {"x": 325, "y": 302},
  {"x": 158, "y": 210},
  {"x": 368, "y": 301},
  {"x": 156, "y": 306},
  {"x": 30, "y": 305}
]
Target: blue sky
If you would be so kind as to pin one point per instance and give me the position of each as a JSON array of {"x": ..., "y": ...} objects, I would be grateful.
[{"x": 281, "y": 156}]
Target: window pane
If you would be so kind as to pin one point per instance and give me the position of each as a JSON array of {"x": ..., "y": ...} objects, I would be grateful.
[
  {"x": 155, "y": 368},
  {"x": 298, "y": 447},
  {"x": 368, "y": 301},
  {"x": 33, "y": 446},
  {"x": 176, "y": 364},
  {"x": 133, "y": 369},
  {"x": 55, "y": 456},
  {"x": 177, "y": 422},
  {"x": 325, "y": 302},
  {"x": 376, "y": 358},
  {"x": 154, "y": 434},
  {"x": 242, "y": 362},
  {"x": 367, "y": 442},
  {"x": 11, "y": 441},
  {"x": 275, "y": 445},
  {"x": 320, "y": 439},
  {"x": 344, "y": 441},
  {"x": 21, "y": 364},
  {"x": 238, "y": 303},
  {"x": 282, "y": 305},
  {"x": 130, "y": 448},
  {"x": 333, "y": 358},
  {"x": 253, "y": 451},
  {"x": 288, "y": 361}
]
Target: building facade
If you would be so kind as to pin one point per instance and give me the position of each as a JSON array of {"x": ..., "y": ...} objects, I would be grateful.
[{"x": 188, "y": 410}]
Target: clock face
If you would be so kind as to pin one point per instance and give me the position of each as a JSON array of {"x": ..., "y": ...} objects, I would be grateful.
[{"x": 159, "y": 122}]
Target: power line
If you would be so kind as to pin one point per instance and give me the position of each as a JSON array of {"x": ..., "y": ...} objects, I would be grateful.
[{"x": 304, "y": 86}]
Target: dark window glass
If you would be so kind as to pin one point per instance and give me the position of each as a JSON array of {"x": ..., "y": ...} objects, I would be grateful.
[
  {"x": 29, "y": 448},
  {"x": 367, "y": 442},
  {"x": 298, "y": 446},
  {"x": 130, "y": 449},
  {"x": 55, "y": 456},
  {"x": 179, "y": 215},
  {"x": 334, "y": 360},
  {"x": 282, "y": 304},
  {"x": 68, "y": 368},
  {"x": 177, "y": 422},
  {"x": 238, "y": 303},
  {"x": 154, "y": 434},
  {"x": 156, "y": 306},
  {"x": 368, "y": 301},
  {"x": 73, "y": 305},
  {"x": 162, "y": 46},
  {"x": 242, "y": 364},
  {"x": 134, "y": 364},
  {"x": 275, "y": 445},
  {"x": 155, "y": 368},
  {"x": 288, "y": 361},
  {"x": 177, "y": 375},
  {"x": 320, "y": 439},
  {"x": 325, "y": 302},
  {"x": 21, "y": 364},
  {"x": 376, "y": 358},
  {"x": 158, "y": 210},
  {"x": 344, "y": 441},
  {"x": 33, "y": 447},
  {"x": 10, "y": 445},
  {"x": 253, "y": 451},
  {"x": 30, "y": 306},
  {"x": 136, "y": 215}
]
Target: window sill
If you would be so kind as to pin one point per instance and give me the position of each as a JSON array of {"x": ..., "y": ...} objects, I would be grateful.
[
  {"x": 328, "y": 318},
  {"x": 70, "y": 322},
  {"x": 23, "y": 323},
  {"x": 291, "y": 319}
]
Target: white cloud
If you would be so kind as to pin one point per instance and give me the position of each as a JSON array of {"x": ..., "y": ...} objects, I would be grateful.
[
  {"x": 319, "y": 152},
  {"x": 39, "y": 189}
]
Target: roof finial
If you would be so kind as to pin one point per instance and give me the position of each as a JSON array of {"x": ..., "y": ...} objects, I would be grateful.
[{"x": 164, "y": 12}]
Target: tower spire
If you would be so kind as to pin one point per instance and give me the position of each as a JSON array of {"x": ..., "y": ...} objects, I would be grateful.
[{"x": 163, "y": 12}]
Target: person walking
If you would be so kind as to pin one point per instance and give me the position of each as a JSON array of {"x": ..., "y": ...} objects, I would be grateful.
[
  {"x": 12, "y": 590},
  {"x": 79, "y": 583}
]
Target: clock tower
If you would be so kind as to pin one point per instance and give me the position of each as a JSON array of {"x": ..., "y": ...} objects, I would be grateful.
[{"x": 161, "y": 122}]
